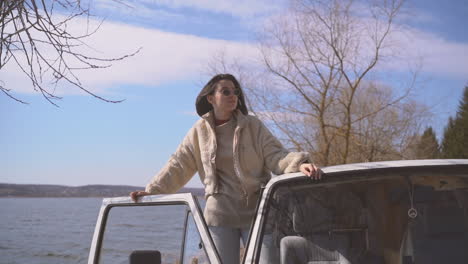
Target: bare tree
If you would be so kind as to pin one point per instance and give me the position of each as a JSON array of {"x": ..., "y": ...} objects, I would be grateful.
[
  {"x": 383, "y": 129},
  {"x": 35, "y": 35},
  {"x": 316, "y": 83}
]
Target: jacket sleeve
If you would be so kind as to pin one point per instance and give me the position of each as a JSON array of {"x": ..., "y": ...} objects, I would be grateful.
[
  {"x": 178, "y": 170},
  {"x": 278, "y": 159}
]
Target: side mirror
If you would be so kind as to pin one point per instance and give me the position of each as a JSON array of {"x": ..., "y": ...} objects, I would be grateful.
[{"x": 145, "y": 257}]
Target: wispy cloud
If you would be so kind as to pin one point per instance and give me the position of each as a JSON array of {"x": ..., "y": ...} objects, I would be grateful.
[
  {"x": 164, "y": 57},
  {"x": 240, "y": 8},
  {"x": 435, "y": 54},
  {"x": 203, "y": 15},
  {"x": 135, "y": 9},
  {"x": 167, "y": 57}
]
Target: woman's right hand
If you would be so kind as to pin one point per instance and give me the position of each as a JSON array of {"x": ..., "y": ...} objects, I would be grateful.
[{"x": 135, "y": 195}]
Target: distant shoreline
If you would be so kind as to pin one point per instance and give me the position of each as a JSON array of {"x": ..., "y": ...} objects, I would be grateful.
[{"x": 10, "y": 190}]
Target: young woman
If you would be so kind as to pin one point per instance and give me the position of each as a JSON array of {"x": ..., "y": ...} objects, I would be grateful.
[{"x": 234, "y": 154}]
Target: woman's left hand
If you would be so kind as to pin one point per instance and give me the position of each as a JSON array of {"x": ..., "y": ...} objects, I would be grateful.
[
  {"x": 311, "y": 170},
  {"x": 135, "y": 195}
]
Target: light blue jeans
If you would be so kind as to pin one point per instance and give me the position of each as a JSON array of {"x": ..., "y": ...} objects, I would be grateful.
[{"x": 227, "y": 241}]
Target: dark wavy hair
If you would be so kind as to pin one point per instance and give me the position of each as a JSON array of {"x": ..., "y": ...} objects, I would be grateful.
[{"x": 202, "y": 104}]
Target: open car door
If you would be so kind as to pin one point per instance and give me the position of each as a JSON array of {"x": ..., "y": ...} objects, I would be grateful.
[
  {"x": 165, "y": 229},
  {"x": 385, "y": 212}
]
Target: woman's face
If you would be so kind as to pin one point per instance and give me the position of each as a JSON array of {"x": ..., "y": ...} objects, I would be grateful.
[{"x": 225, "y": 97}]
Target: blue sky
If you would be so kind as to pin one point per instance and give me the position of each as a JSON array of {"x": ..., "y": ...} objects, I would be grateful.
[{"x": 87, "y": 141}]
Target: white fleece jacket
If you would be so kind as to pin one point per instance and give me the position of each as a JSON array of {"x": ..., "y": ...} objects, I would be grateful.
[{"x": 257, "y": 153}]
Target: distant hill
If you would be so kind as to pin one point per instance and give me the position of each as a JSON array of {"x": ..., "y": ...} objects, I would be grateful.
[{"x": 40, "y": 190}]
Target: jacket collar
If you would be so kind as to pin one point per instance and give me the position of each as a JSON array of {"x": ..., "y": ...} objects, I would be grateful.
[{"x": 238, "y": 115}]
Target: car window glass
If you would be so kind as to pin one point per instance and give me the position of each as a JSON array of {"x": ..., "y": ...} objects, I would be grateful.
[
  {"x": 135, "y": 228},
  {"x": 421, "y": 219},
  {"x": 194, "y": 252}
]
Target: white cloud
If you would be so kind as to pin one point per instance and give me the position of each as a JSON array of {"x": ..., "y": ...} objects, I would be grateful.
[
  {"x": 410, "y": 48},
  {"x": 239, "y": 8},
  {"x": 164, "y": 57},
  {"x": 137, "y": 9},
  {"x": 404, "y": 50},
  {"x": 204, "y": 14},
  {"x": 167, "y": 57},
  {"x": 436, "y": 55}
]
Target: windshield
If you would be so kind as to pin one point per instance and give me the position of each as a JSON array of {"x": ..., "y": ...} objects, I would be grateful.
[{"x": 420, "y": 219}]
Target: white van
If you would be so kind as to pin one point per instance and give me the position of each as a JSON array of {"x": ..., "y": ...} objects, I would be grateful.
[{"x": 393, "y": 212}]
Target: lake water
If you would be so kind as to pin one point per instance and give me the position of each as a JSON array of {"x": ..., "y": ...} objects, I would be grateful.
[{"x": 60, "y": 230}]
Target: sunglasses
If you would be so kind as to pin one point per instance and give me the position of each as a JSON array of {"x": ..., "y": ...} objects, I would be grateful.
[{"x": 227, "y": 92}]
